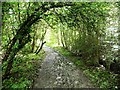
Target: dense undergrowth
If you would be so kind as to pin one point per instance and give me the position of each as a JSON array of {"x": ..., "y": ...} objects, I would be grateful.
[
  {"x": 0, "y": 76},
  {"x": 24, "y": 70},
  {"x": 99, "y": 77}
]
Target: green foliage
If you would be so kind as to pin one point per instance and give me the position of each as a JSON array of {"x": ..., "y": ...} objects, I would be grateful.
[
  {"x": 86, "y": 30},
  {"x": 80, "y": 28},
  {"x": 63, "y": 51},
  {"x": 99, "y": 77},
  {"x": 0, "y": 76},
  {"x": 22, "y": 83},
  {"x": 24, "y": 71}
]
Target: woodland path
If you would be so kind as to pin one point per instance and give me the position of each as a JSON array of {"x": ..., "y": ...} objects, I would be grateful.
[{"x": 58, "y": 72}]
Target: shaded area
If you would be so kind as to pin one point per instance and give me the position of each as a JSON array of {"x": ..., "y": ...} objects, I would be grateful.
[
  {"x": 0, "y": 68},
  {"x": 0, "y": 76}
]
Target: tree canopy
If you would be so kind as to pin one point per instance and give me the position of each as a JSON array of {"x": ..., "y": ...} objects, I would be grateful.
[{"x": 82, "y": 28}]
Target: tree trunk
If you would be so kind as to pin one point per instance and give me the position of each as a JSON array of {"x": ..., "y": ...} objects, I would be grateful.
[
  {"x": 41, "y": 47},
  {"x": 33, "y": 43},
  {"x": 62, "y": 39},
  {"x": 12, "y": 55}
]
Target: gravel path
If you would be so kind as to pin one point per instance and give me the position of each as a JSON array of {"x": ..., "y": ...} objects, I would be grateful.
[{"x": 58, "y": 72}]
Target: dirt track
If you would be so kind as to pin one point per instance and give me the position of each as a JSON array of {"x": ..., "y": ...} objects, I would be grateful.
[{"x": 58, "y": 72}]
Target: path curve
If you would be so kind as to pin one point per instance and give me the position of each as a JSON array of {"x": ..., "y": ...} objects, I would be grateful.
[{"x": 58, "y": 72}]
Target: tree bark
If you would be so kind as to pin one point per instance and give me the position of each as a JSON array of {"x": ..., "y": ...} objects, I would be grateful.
[{"x": 40, "y": 47}]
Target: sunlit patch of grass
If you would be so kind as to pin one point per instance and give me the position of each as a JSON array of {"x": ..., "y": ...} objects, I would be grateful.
[{"x": 62, "y": 51}]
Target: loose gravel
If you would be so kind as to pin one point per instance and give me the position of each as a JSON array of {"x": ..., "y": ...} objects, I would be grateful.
[{"x": 58, "y": 72}]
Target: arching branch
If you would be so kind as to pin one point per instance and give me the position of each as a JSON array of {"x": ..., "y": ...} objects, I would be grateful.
[{"x": 24, "y": 30}]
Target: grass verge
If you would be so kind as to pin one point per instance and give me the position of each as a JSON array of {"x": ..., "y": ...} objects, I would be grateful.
[
  {"x": 24, "y": 71},
  {"x": 99, "y": 77}
]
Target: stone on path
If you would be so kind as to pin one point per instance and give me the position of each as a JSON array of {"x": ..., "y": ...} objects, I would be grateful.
[{"x": 58, "y": 72}]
